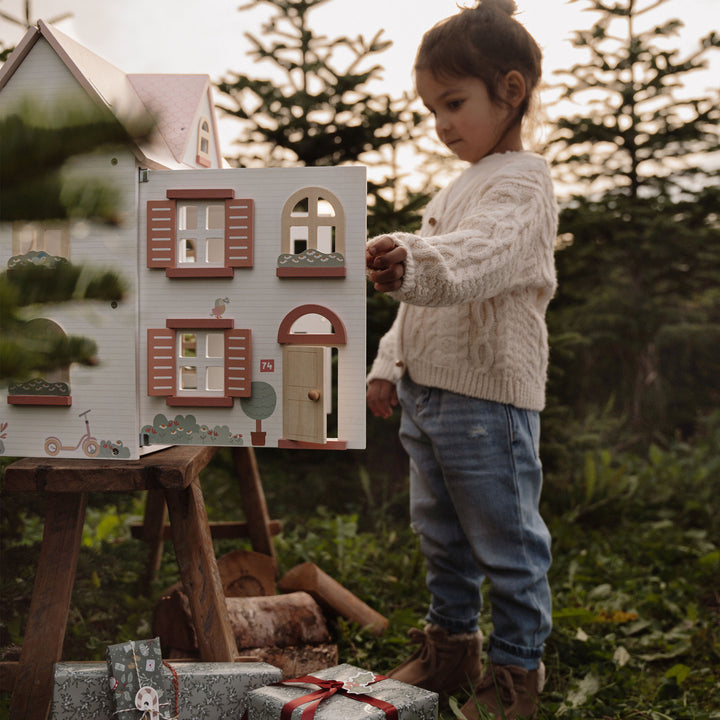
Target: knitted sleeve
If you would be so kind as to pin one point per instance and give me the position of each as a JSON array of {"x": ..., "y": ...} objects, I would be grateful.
[
  {"x": 386, "y": 364},
  {"x": 503, "y": 238}
]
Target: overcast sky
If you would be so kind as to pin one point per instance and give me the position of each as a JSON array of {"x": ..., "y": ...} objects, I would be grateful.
[{"x": 207, "y": 36}]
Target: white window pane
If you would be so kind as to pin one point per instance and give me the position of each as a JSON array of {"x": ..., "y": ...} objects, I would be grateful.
[
  {"x": 215, "y": 217},
  {"x": 325, "y": 208},
  {"x": 215, "y": 377},
  {"x": 54, "y": 241},
  {"x": 326, "y": 239},
  {"x": 188, "y": 217},
  {"x": 215, "y": 248},
  {"x": 188, "y": 250},
  {"x": 188, "y": 345},
  {"x": 188, "y": 377},
  {"x": 215, "y": 344},
  {"x": 26, "y": 240},
  {"x": 301, "y": 208},
  {"x": 298, "y": 238}
]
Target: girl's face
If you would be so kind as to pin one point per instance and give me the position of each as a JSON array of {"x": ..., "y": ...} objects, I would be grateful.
[{"x": 466, "y": 120}]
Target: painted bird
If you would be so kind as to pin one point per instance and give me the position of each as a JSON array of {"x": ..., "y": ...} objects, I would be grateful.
[{"x": 219, "y": 308}]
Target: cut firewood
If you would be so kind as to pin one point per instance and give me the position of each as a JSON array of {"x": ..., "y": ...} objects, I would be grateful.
[
  {"x": 274, "y": 621},
  {"x": 244, "y": 573},
  {"x": 172, "y": 621},
  {"x": 332, "y": 596},
  {"x": 277, "y": 621}
]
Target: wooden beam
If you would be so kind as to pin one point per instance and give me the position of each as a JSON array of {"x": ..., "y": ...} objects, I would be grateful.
[{"x": 49, "y": 607}]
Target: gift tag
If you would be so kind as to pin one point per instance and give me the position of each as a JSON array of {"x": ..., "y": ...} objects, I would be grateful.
[
  {"x": 359, "y": 683},
  {"x": 147, "y": 701}
]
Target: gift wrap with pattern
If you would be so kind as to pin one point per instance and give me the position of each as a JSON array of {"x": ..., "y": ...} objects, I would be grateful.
[
  {"x": 409, "y": 702},
  {"x": 133, "y": 665},
  {"x": 206, "y": 691}
]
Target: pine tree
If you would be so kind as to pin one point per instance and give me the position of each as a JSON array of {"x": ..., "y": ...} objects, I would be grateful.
[
  {"x": 321, "y": 110},
  {"x": 640, "y": 237}
]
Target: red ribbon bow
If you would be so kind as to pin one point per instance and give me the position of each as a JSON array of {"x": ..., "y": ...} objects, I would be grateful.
[{"x": 328, "y": 688}]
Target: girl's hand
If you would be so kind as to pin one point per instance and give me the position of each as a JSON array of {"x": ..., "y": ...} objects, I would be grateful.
[
  {"x": 382, "y": 398},
  {"x": 385, "y": 261}
]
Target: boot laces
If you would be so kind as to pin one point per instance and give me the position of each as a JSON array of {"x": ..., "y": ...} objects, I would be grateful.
[
  {"x": 503, "y": 678},
  {"x": 427, "y": 652}
]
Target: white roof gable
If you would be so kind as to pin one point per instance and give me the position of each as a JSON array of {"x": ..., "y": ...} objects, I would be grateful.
[{"x": 173, "y": 100}]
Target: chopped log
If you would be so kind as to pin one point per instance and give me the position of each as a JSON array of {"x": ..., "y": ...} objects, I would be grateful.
[
  {"x": 172, "y": 621},
  {"x": 244, "y": 573},
  {"x": 332, "y": 596},
  {"x": 277, "y": 621},
  {"x": 273, "y": 621}
]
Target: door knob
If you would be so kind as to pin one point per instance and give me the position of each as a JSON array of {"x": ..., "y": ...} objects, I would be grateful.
[{"x": 314, "y": 395}]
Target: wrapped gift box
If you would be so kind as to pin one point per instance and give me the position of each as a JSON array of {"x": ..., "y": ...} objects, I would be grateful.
[
  {"x": 133, "y": 665},
  {"x": 212, "y": 691},
  {"x": 348, "y": 703}
]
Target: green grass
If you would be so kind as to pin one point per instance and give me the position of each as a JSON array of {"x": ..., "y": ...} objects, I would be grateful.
[{"x": 635, "y": 578}]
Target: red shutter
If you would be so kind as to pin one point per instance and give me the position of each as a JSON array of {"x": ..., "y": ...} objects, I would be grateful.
[
  {"x": 161, "y": 224},
  {"x": 238, "y": 357},
  {"x": 161, "y": 362},
  {"x": 239, "y": 219}
]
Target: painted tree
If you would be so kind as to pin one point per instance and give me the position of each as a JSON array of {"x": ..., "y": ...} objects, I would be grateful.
[
  {"x": 640, "y": 238},
  {"x": 259, "y": 406}
]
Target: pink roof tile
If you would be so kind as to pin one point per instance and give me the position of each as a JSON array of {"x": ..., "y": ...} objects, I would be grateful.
[{"x": 174, "y": 101}]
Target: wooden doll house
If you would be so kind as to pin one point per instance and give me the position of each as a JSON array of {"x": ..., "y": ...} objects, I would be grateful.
[{"x": 244, "y": 322}]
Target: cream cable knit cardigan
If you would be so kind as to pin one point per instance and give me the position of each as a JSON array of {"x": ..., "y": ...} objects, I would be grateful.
[{"x": 478, "y": 279}]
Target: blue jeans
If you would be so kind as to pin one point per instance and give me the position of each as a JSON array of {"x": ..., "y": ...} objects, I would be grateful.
[{"x": 475, "y": 482}]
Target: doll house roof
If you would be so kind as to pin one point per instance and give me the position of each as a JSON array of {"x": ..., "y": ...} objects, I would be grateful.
[{"x": 172, "y": 100}]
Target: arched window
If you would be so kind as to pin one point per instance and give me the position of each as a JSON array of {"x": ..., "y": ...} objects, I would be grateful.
[
  {"x": 203, "y": 143},
  {"x": 53, "y": 386},
  {"x": 313, "y": 235}
]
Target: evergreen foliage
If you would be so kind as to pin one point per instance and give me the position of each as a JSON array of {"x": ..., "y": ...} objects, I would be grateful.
[
  {"x": 316, "y": 107},
  {"x": 36, "y": 146},
  {"x": 34, "y": 186},
  {"x": 640, "y": 238}
]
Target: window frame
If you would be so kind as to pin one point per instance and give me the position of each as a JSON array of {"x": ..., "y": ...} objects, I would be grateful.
[
  {"x": 311, "y": 224},
  {"x": 164, "y": 362},
  {"x": 40, "y": 228},
  {"x": 44, "y": 391},
  {"x": 163, "y": 241},
  {"x": 202, "y": 156}
]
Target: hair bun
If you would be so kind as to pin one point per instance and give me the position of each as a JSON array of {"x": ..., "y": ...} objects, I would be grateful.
[{"x": 507, "y": 6}]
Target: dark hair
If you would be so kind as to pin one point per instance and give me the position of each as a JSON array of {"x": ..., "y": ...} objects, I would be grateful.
[{"x": 485, "y": 42}]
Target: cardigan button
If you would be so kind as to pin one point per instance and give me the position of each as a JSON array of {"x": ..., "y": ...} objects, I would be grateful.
[
  {"x": 399, "y": 363},
  {"x": 432, "y": 221}
]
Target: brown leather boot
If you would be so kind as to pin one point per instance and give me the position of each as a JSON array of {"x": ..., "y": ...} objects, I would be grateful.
[
  {"x": 443, "y": 663},
  {"x": 506, "y": 692}
]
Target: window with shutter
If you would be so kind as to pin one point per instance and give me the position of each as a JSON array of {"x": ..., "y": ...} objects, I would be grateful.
[
  {"x": 199, "y": 363},
  {"x": 200, "y": 233}
]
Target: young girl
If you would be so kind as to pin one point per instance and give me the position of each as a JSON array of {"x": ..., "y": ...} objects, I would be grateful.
[{"x": 466, "y": 359}]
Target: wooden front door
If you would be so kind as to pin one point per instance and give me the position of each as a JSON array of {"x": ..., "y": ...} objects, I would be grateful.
[{"x": 303, "y": 390}]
